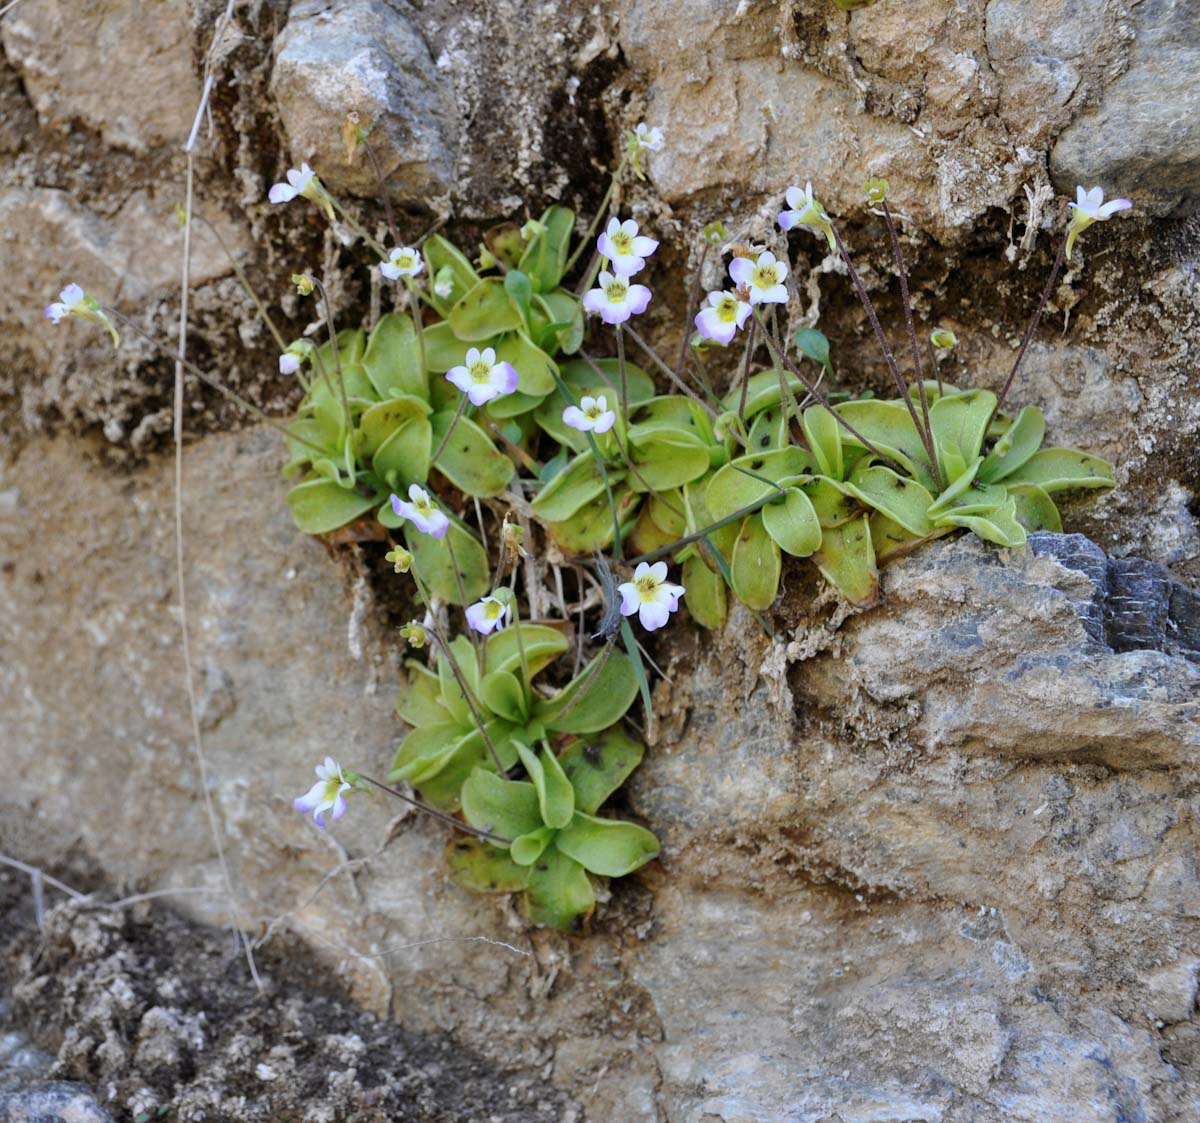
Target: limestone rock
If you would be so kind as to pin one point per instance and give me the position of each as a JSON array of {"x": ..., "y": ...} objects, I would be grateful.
[
  {"x": 53, "y": 1102},
  {"x": 1143, "y": 137},
  {"x": 364, "y": 57},
  {"x": 124, "y": 70}
]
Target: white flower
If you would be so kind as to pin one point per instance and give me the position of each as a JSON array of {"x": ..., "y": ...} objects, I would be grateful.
[
  {"x": 808, "y": 212},
  {"x": 443, "y": 283},
  {"x": 649, "y": 139},
  {"x": 1090, "y": 207},
  {"x": 723, "y": 316},
  {"x": 488, "y": 614},
  {"x": 402, "y": 262},
  {"x": 422, "y": 512},
  {"x": 73, "y": 301},
  {"x": 625, "y": 249},
  {"x": 289, "y": 363},
  {"x": 327, "y": 793},
  {"x": 482, "y": 378},
  {"x": 591, "y": 414},
  {"x": 650, "y": 595},
  {"x": 762, "y": 279},
  {"x": 616, "y": 299},
  {"x": 303, "y": 182}
]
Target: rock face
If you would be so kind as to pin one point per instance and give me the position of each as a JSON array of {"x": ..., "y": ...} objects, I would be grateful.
[{"x": 937, "y": 864}]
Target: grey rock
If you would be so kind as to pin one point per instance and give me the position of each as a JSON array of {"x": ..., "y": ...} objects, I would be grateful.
[
  {"x": 55, "y": 1102},
  {"x": 365, "y": 57},
  {"x": 1143, "y": 138}
]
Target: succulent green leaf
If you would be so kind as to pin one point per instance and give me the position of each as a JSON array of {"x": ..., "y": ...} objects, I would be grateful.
[
  {"x": 813, "y": 345},
  {"x": 578, "y": 483},
  {"x": 542, "y": 646},
  {"x": 469, "y": 460},
  {"x": 443, "y": 349},
  {"x": 501, "y": 692},
  {"x": 480, "y": 867},
  {"x": 705, "y": 596},
  {"x": 564, "y": 321},
  {"x": 556, "y": 797},
  {"x": 1015, "y": 447},
  {"x": 520, "y": 292},
  {"x": 393, "y": 358},
  {"x": 383, "y": 419},
  {"x": 559, "y": 893},
  {"x": 888, "y": 426},
  {"x": 529, "y": 847},
  {"x": 793, "y": 524},
  {"x": 591, "y": 527},
  {"x": 761, "y": 393},
  {"x": 756, "y": 565},
  {"x": 451, "y": 693},
  {"x": 484, "y": 312},
  {"x": 439, "y": 253},
  {"x": 902, "y": 500},
  {"x": 1035, "y": 510},
  {"x": 847, "y": 561},
  {"x": 609, "y": 687},
  {"x": 663, "y": 461},
  {"x": 504, "y": 807},
  {"x": 598, "y": 765},
  {"x": 730, "y": 490},
  {"x": 998, "y": 525},
  {"x": 545, "y": 259},
  {"x": 432, "y": 559},
  {"x": 607, "y": 846},
  {"x": 824, "y": 434},
  {"x": 429, "y": 748},
  {"x": 532, "y": 364},
  {"x": 960, "y": 421},
  {"x": 832, "y": 500},
  {"x": 1059, "y": 469},
  {"x": 768, "y": 430},
  {"x": 319, "y": 506},
  {"x": 419, "y": 699},
  {"x": 403, "y": 457}
]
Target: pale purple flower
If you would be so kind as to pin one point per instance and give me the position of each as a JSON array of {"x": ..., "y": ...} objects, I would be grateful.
[
  {"x": 405, "y": 261},
  {"x": 73, "y": 301},
  {"x": 422, "y": 512},
  {"x": 289, "y": 362},
  {"x": 1090, "y": 207},
  {"x": 481, "y": 378},
  {"x": 488, "y": 614},
  {"x": 299, "y": 182},
  {"x": 650, "y": 595},
  {"x": 625, "y": 249},
  {"x": 762, "y": 279},
  {"x": 807, "y": 212},
  {"x": 723, "y": 317},
  {"x": 648, "y": 138},
  {"x": 591, "y": 415},
  {"x": 327, "y": 794},
  {"x": 616, "y": 299}
]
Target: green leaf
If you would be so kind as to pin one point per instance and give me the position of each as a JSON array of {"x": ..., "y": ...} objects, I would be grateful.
[
  {"x": 606, "y": 846},
  {"x": 888, "y": 426},
  {"x": 609, "y": 686},
  {"x": 591, "y": 527},
  {"x": 520, "y": 292},
  {"x": 469, "y": 460},
  {"x": 532, "y": 365},
  {"x": 639, "y": 670},
  {"x": 824, "y": 434},
  {"x": 580, "y": 482},
  {"x": 813, "y": 345},
  {"x": 403, "y": 458},
  {"x": 663, "y": 461},
  {"x": 556, "y": 797},
  {"x": 793, "y": 524},
  {"x": 730, "y": 490},
  {"x": 545, "y": 259},
  {"x": 504, "y": 807},
  {"x": 382, "y": 420},
  {"x": 542, "y": 646},
  {"x": 429, "y": 748},
  {"x": 960, "y": 421},
  {"x": 502, "y": 693},
  {"x": 484, "y": 312},
  {"x": 598, "y": 765},
  {"x": 419, "y": 699},
  {"x": 847, "y": 561},
  {"x": 756, "y": 565},
  {"x": 319, "y": 506},
  {"x": 443, "y": 349},
  {"x": 453, "y": 698},
  {"x": 705, "y": 595},
  {"x": 480, "y": 867},
  {"x": 440, "y": 252},
  {"x": 832, "y": 501},
  {"x": 762, "y": 392},
  {"x": 559, "y": 893},
  {"x": 564, "y": 321},
  {"x": 1059, "y": 469},
  {"x": 529, "y": 847},
  {"x": 998, "y": 525},
  {"x": 432, "y": 559},
  {"x": 393, "y": 358},
  {"x": 1034, "y": 509},
  {"x": 1015, "y": 447},
  {"x": 902, "y": 500}
]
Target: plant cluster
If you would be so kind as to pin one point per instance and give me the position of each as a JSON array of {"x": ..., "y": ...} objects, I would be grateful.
[{"x": 478, "y": 404}]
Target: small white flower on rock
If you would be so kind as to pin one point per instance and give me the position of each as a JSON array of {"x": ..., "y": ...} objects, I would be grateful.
[
  {"x": 650, "y": 595},
  {"x": 1088, "y": 208},
  {"x": 624, "y": 247},
  {"x": 807, "y": 212},
  {"x": 616, "y": 299},
  {"x": 488, "y": 615},
  {"x": 327, "y": 794},
  {"x": 302, "y": 181},
  {"x": 73, "y": 301},
  {"x": 422, "y": 512},
  {"x": 402, "y": 262},
  {"x": 762, "y": 279},
  {"x": 289, "y": 363},
  {"x": 592, "y": 414},
  {"x": 481, "y": 378},
  {"x": 649, "y": 139},
  {"x": 723, "y": 317}
]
